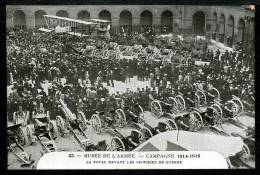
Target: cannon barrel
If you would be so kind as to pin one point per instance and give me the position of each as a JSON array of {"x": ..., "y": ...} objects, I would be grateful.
[{"x": 66, "y": 110}]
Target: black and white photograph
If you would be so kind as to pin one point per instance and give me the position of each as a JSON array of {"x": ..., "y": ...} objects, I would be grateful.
[{"x": 116, "y": 78}]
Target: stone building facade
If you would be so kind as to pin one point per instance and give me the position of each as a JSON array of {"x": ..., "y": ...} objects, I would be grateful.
[{"x": 227, "y": 24}]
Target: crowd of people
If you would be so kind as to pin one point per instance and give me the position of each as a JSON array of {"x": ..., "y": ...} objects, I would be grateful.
[{"x": 34, "y": 57}]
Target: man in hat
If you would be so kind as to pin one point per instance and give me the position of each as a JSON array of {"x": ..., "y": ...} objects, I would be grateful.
[
  {"x": 164, "y": 81},
  {"x": 102, "y": 109}
]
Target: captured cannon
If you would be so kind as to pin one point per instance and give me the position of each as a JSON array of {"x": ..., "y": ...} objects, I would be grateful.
[
  {"x": 174, "y": 109},
  {"x": 135, "y": 118},
  {"x": 16, "y": 136},
  {"x": 43, "y": 129},
  {"x": 69, "y": 122},
  {"x": 113, "y": 118},
  {"x": 126, "y": 142}
]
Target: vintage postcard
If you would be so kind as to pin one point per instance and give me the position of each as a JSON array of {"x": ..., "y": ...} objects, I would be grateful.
[{"x": 130, "y": 86}]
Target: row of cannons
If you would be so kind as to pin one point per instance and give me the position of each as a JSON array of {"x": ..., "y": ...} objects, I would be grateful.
[
  {"x": 207, "y": 111},
  {"x": 175, "y": 113},
  {"x": 120, "y": 51}
]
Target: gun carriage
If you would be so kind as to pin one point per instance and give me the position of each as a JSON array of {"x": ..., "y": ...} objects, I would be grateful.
[
  {"x": 72, "y": 123},
  {"x": 16, "y": 140}
]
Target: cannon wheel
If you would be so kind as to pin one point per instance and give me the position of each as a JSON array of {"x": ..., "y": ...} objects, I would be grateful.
[
  {"x": 240, "y": 106},
  {"x": 105, "y": 53},
  {"x": 141, "y": 114},
  {"x": 181, "y": 102},
  {"x": 201, "y": 98},
  {"x": 174, "y": 109},
  {"x": 197, "y": 100},
  {"x": 172, "y": 124},
  {"x": 146, "y": 133},
  {"x": 195, "y": 121},
  {"x": 21, "y": 136},
  {"x": 60, "y": 125},
  {"x": 218, "y": 110},
  {"x": 234, "y": 108},
  {"x": 216, "y": 115},
  {"x": 29, "y": 133},
  {"x": 120, "y": 118},
  {"x": 96, "y": 123},
  {"x": 140, "y": 136},
  {"x": 117, "y": 144},
  {"x": 93, "y": 52},
  {"x": 215, "y": 92},
  {"x": 246, "y": 153},
  {"x": 53, "y": 130},
  {"x": 230, "y": 166},
  {"x": 156, "y": 109},
  {"x": 82, "y": 119}
]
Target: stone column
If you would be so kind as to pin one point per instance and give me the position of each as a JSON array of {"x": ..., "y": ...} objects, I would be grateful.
[
  {"x": 30, "y": 20},
  {"x": 115, "y": 24},
  {"x": 157, "y": 24},
  {"x": 176, "y": 29},
  {"x": 136, "y": 23}
]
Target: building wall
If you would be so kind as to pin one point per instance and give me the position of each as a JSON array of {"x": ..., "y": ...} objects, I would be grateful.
[{"x": 182, "y": 16}]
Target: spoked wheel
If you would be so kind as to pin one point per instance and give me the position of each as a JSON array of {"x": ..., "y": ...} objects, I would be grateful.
[
  {"x": 60, "y": 125},
  {"x": 230, "y": 105},
  {"x": 117, "y": 144},
  {"x": 52, "y": 129},
  {"x": 172, "y": 124},
  {"x": 82, "y": 120},
  {"x": 156, "y": 109},
  {"x": 216, "y": 116},
  {"x": 215, "y": 93},
  {"x": 240, "y": 106},
  {"x": 249, "y": 102},
  {"x": 29, "y": 133},
  {"x": 94, "y": 52},
  {"x": 195, "y": 121},
  {"x": 201, "y": 98},
  {"x": 105, "y": 53},
  {"x": 21, "y": 136},
  {"x": 146, "y": 133},
  {"x": 197, "y": 100},
  {"x": 141, "y": 137},
  {"x": 174, "y": 104},
  {"x": 96, "y": 123},
  {"x": 218, "y": 111},
  {"x": 230, "y": 166},
  {"x": 141, "y": 114},
  {"x": 120, "y": 118},
  {"x": 246, "y": 153},
  {"x": 181, "y": 102}
]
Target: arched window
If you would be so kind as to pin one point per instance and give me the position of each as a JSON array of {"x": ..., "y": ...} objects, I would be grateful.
[
  {"x": 222, "y": 23},
  {"x": 125, "y": 21},
  {"x": 62, "y": 13},
  {"x": 221, "y": 30},
  {"x": 214, "y": 22},
  {"x": 146, "y": 18},
  {"x": 146, "y": 22},
  {"x": 240, "y": 30},
  {"x": 199, "y": 23},
  {"x": 105, "y": 15},
  {"x": 84, "y": 15},
  {"x": 166, "y": 22},
  {"x": 39, "y": 19},
  {"x": 19, "y": 19},
  {"x": 230, "y": 31}
]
